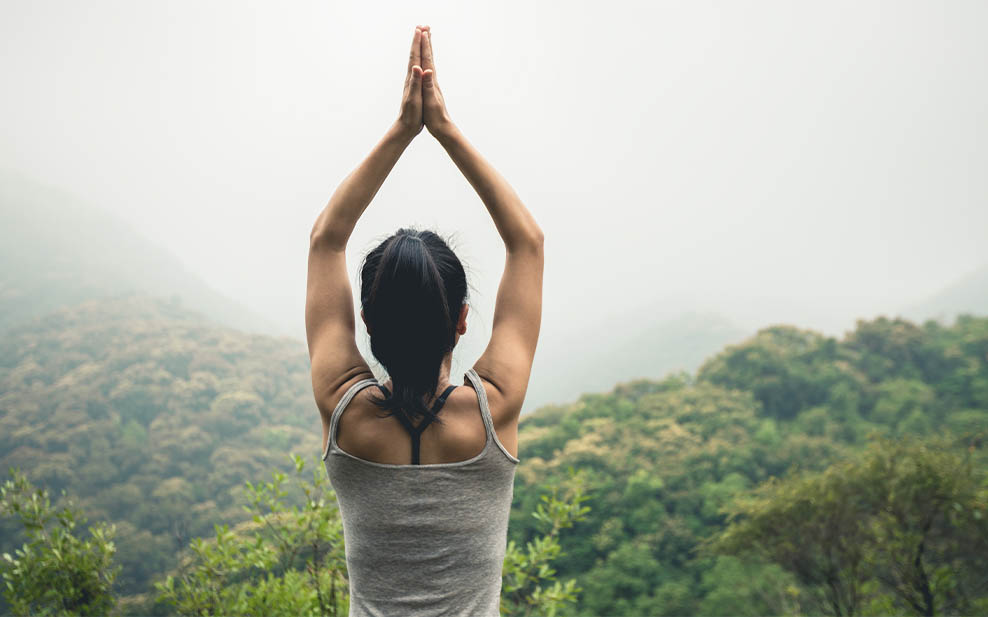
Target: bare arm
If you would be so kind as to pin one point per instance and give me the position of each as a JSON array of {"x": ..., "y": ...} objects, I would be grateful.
[
  {"x": 507, "y": 361},
  {"x": 335, "y": 223},
  {"x": 514, "y": 222},
  {"x": 330, "y": 325},
  {"x": 329, "y": 318}
]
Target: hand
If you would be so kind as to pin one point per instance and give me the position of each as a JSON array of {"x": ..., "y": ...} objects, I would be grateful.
[
  {"x": 410, "y": 116},
  {"x": 434, "y": 111}
]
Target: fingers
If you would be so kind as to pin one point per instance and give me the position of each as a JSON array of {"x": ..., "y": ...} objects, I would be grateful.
[
  {"x": 415, "y": 56},
  {"x": 413, "y": 86},
  {"x": 427, "y": 58}
]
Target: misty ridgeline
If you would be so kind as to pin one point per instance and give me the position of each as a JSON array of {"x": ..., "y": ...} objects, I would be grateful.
[{"x": 164, "y": 456}]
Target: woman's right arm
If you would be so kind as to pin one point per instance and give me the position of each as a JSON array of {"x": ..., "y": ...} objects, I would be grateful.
[{"x": 507, "y": 361}]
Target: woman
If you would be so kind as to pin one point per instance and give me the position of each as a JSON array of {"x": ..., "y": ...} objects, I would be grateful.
[{"x": 423, "y": 470}]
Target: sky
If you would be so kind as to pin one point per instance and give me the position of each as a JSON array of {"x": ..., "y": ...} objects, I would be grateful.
[{"x": 805, "y": 163}]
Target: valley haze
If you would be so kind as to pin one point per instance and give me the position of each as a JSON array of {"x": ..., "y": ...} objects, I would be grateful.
[{"x": 733, "y": 165}]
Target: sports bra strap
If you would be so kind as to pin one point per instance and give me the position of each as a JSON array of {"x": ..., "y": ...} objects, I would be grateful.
[
  {"x": 470, "y": 377},
  {"x": 416, "y": 431}
]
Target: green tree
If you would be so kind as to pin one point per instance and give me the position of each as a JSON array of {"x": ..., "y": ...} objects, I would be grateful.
[
  {"x": 525, "y": 588},
  {"x": 56, "y": 572},
  {"x": 288, "y": 559},
  {"x": 929, "y": 526},
  {"x": 901, "y": 527},
  {"x": 736, "y": 587},
  {"x": 787, "y": 369},
  {"x": 811, "y": 526}
]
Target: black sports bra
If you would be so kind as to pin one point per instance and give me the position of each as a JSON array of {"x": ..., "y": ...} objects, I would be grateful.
[{"x": 416, "y": 431}]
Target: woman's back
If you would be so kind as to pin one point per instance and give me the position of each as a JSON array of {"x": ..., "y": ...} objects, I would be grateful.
[
  {"x": 421, "y": 539},
  {"x": 424, "y": 539}
]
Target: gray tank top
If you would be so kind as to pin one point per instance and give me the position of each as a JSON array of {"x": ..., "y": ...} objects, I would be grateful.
[{"x": 424, "y": 539}]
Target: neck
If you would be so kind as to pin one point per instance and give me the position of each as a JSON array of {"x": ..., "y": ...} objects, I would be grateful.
[
  {"x": 444, "y": 377},
  {"x": 444, "y": 369}
]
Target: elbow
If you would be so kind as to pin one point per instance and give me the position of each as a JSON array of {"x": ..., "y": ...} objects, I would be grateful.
[
  {"x": 538, "y": 237},
  {"x": 317, "y": 237},
  {"x": 533, "y": 241},
  {"x": 322, "y": 238}
]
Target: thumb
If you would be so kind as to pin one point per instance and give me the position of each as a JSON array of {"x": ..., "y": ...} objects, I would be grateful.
[
  {"x": 428, "y": 79},
  {"x": 416, "y": 76}
]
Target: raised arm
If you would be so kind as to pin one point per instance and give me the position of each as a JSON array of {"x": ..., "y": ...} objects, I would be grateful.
[
  {"x": 329, "y": 318},
  {"x": 507, "y": 361}
]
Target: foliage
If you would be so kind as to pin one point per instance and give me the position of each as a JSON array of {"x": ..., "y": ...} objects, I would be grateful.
[
  {"x": 57, "y": 572},
  {"x": 661, "y": 460},
  {"x": 901, "y": 526},
  {"x": 666, "y": 459},
  {"x": 157, "y": 420},
  {"x": 287, "y": 560},
  {"x": 930, "y": 526},
  {"x": 526, "y": 573},
  {"x": 290, "y": 560},
  {"x": 786, "y": 369},
  {"x": 153, "y": 418}
]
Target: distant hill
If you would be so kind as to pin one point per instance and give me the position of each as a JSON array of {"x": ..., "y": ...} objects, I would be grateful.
[
  {"x": 663, "y": 458},
  {"x": 57, "y": 250},
  {"x": 625, "y": 347},
  {"x": 153, "y": 417},
  {"x": 969, "y": 294}
]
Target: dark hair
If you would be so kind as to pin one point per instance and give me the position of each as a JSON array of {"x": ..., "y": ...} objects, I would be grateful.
[{"x": 412, "y": 288}]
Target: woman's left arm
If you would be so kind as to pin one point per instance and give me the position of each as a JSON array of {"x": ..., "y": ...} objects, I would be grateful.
[{"x": 329, "y": 319}]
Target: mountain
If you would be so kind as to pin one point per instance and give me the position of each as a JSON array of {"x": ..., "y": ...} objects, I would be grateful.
[
  {"x": 153, "y": 417},
  {"x": 57, "y": 250},
  {"x": 663, "y": 460},
  {"x": 624, "y": 347},
  {"x": 969, "y": 294}
]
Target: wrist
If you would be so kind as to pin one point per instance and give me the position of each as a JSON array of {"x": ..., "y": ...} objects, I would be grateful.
[
  {"x": 445, "y": 133},
  {"x": 402, "y": 133}
]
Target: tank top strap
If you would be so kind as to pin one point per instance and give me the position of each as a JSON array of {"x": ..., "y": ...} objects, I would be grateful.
[
  {"x": 335, "y": 418},
  {"x": 485, "y": 411}
]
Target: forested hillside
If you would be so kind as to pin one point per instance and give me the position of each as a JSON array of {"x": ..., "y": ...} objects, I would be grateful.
[
  {"x": 665, "y": 458},
  {"x": 152, "y": 417}
]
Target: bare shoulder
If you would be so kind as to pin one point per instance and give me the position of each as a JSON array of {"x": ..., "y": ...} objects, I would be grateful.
[
  {"x": 364, "y": 432},
  {"x": 505, "y": 411},
  {"x": 329, "y": 398},
  {"x": 505, "y": 396}
]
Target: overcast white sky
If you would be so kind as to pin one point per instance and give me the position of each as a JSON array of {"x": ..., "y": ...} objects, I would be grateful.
[{"x": 772, "y": 161}]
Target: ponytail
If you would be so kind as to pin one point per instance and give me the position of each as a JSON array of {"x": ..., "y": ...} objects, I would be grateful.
[{"x": 412, "y": 287}]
